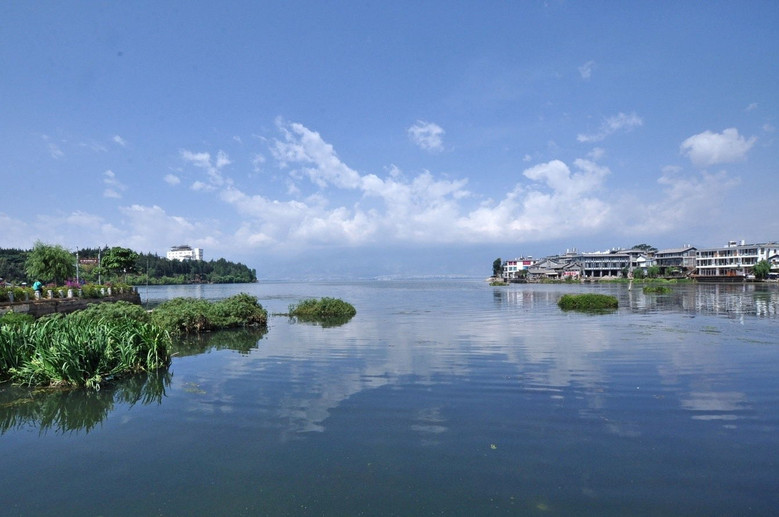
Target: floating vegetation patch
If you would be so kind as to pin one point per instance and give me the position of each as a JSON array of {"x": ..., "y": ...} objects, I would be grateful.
[
  {"x": 587, "y": 302},
  {"x": 329, "y": 312},
  {"x": 192, "y": 315},
  {"x": 657, "y": 289}
]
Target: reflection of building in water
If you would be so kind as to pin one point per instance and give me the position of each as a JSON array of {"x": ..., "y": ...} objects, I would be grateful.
[
  {"x": 742, "y": 299},
  {"x": 736, "y": 260}
]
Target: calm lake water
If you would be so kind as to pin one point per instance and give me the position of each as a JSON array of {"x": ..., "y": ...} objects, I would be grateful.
[{"x": 439, "y": 398}]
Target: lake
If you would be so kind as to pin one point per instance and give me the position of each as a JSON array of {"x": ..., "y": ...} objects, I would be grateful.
[{"x": 441, "y": 397}]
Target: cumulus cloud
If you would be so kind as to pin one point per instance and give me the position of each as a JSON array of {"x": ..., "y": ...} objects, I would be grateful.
[
  {"x": 708, "y": 148},
  {"x": 168, "y": 229},
  {"x": 172, "y": 179},
  {"x": 113, "y": 186},
  {"x": 548, "y": 199},
  {"x": 586, "y": 70},
  {"x": 309, "y": 155},
  {"x": 685, "y": 198},
  {"x": 427, "y": 135},
  {"x": 213, "y": 168},
  {"x": 619, "y": 122}
]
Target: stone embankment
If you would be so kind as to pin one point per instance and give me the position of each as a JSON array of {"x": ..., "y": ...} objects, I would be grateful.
[{"x": 43, "y": 306}]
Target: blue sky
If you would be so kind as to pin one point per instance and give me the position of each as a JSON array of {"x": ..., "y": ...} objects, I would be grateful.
[{"x": 399, "y": 138}]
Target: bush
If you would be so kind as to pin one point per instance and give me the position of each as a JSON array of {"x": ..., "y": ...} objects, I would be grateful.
[
  {"x": 115, "y": 311},
  {"x": 587, "y": 302},
  {"x": 322, "y": 309},
  {"x": 192, "y": 315}
]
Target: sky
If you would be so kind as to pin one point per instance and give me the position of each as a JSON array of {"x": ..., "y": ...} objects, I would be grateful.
[{"x": 369, "y": 139}]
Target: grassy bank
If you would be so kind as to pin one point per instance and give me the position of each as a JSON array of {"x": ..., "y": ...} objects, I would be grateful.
[{"x": 108, "y": 340}]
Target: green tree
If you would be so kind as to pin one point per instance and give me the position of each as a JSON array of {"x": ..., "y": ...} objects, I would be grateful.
[
  {"x": 645, "y": 247},
  {"x": 761, "y": 269},
  {"x": 118, "y": 259},
  {"x": 48, "y": 263},
  {"x": 497, "y": 267},
  {"x": 653, "y": 271}
]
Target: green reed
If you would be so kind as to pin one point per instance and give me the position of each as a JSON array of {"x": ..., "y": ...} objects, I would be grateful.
[{"x": 80, "y": 351}]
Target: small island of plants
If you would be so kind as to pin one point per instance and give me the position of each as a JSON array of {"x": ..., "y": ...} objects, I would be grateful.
[
  {"x": 324, "y": 310},
  {"x": 656, "y": 289},
  {"x": 587, "y": 302}
]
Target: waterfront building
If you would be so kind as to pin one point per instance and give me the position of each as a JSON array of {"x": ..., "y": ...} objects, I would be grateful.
[
  {"x": 681, "y": 259},
  {"x": 736, "y": 260},
  {"x": 513, "y": 268},
  {"x": 185, "y": 252}
]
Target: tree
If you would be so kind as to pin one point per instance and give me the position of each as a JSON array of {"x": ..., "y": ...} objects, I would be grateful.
[
  {"x": 118, "y": 259},
  {"x": 653, "y": 271},
  {"x": 497, "y": 267},
  {"x": 50, "y": 263},
  {"x": 645, "y": 247},
  {"x": 761, "y": 269}
]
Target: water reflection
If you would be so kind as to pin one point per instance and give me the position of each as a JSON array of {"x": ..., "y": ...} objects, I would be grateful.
[
  {"x": 238, "y": 340},
  {"x": 65, "y": 411},
  {"x": 732, "y": 300}
]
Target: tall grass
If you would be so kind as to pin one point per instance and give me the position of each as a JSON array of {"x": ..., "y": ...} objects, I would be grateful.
[{"x": 80, "y": 351}]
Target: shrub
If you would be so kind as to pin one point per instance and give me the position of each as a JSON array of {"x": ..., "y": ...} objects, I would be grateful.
[
  {"x": 115, "y": 311},
  {"x": 322, "y": 309},
  {"x": 239, "y": 310},
  {"x": 587, "y": 302},
  {"x": 192, "y": 315}
]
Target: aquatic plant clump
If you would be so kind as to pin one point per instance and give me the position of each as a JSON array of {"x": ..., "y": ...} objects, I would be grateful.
[
  {"x": 587, "y": 302},
  {"x": 656, "y": 289},
  {"x": 80, "y": 352},
  {"x": 192, "y": 315},
  {"x": 322, "y": 309}
]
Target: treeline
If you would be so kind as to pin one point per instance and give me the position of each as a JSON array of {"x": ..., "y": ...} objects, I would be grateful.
[
  {"x": 102, "y": 265},
  {"x": 160, "y": 270}
]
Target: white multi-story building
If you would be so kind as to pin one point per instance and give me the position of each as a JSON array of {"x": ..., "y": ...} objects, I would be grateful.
[
  {"x": 512, "y": 268},
  {"x": 734, "y": 260},
  {"x": 185, "y": 252}
]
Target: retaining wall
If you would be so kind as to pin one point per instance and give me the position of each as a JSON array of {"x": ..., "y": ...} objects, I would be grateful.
[{"x": 45, "y": 306}]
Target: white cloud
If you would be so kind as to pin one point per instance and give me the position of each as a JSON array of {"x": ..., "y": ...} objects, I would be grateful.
[
  {"x": 586, "y": 70},
  {"x": 317, "y": 159},
  {"x": 751, "y": 107},
  {"x": 685, "y": 199},
  {"x": 213, "y": 170},
  {"x": 427, "y": 135},
  {"x": 55, "y": 151},
  {"x": 557, "y": 203},
  {"x": 707, "y": 148},
  {"x": 113, "y": 185},
  {"x": 610, "y": 125},
  {"x": 172, "y": 179},
  {"x": 119, "y": 140},
  {"x": 168, "y": 229},
  {"x": 596, "y": 154}
]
